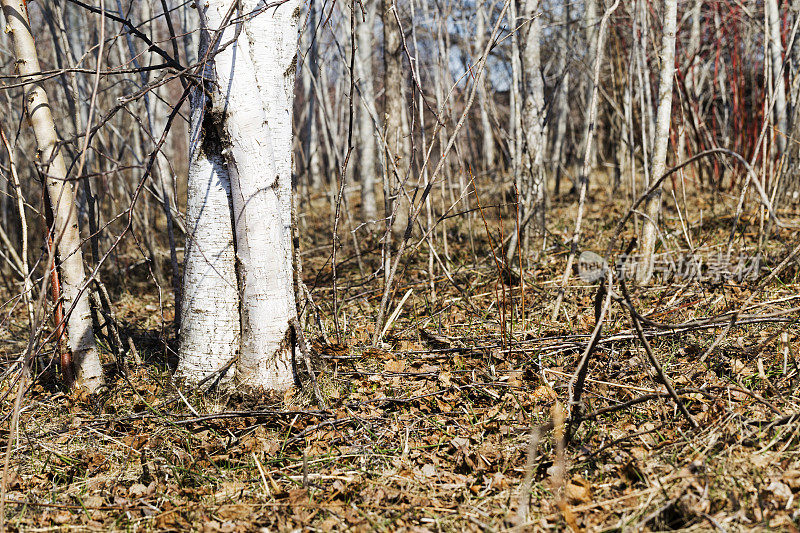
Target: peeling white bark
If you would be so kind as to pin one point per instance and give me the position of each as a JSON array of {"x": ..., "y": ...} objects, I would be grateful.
[
  {"x": 209, "y": 335},
  {"x": 253, "y": 93}
]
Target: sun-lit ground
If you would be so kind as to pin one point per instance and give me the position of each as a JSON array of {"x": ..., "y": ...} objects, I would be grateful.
[{"x": 432, "y": 430}]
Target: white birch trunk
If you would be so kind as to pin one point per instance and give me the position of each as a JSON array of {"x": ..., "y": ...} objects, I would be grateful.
[
  {"x": 776, "y": 55},
  {"x": 210, "y": 329},
  {"x": 487, "y": 137},
  {"x": 621, "y": 155},
  {"x": 515, "y": 117},
  {"x": 311, "y": 143},
  {"x": 644, "y": 79},
  {"x": 87, "y": 366},
  {"x": 692, "y": 80},
  {"x": 368, "y": 147},
  {"x": 533, "y": 109},
  {"x": 591, "y": 19},
  {"x": 722, "y": 77},
  {"x": 530, "y": 184},
  {"x": 661, "y": 140},
  {"x": 252, "y": 102}
]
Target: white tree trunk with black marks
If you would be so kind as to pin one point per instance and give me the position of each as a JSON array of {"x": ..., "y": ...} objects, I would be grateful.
[
  {"x": 251, "y": 111},
  {"x": 660, "y": 141},
  {"x": 533, "y": 108},
  {"x": 368, "y": 146},
  {"x": 778, "y": 87},
  {"x": 86, "y": 360},
  {"x": 210, "y": 329},
  {"x": 487, "y": 136}
]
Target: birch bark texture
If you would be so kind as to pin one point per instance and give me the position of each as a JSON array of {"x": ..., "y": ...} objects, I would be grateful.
[
  {"x": 660, "y": 141},
  {"x": 251, "y": 91},
  {"x": 533, "y": 109},
  {"x": 779, "y": 88},
  {"x": 487, "y": 135},
  {"x": 530, "y": 183},
  {"x": 368, "y": 146},
  {"x": 86, "y": 360},
  {"x": 210, "y": 330}
]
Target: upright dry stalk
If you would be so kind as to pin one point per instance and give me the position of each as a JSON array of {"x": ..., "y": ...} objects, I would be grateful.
[
  {"x": 155, "y": 122},
  {"x": 794, "y": 64},
  {"x": 661, "y": 141},
  {"x": 88, "y": 369},
  {"x": 22, "y": 262},
  {"x": 392, "y": 270},
  {"x": 430, "y": 225},
  {"x": 791, "y": 180}
]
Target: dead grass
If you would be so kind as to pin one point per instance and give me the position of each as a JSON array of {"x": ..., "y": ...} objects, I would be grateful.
[{"x": 430, "y": 432}]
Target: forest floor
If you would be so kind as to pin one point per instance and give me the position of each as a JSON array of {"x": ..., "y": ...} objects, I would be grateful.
[{"x": 437, "y": 429}]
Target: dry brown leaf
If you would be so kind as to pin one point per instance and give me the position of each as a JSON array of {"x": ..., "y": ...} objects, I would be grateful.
[
  {"x": 578, "y": 490},
  {"x": 393, "y": 365},
  {"x": 235, "y": 511}
]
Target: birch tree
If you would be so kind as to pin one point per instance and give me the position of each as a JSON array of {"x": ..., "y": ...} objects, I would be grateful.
[
  {"x": 311, "y": 138},
  {"x": 533, "y": 109},
  {"x": 368, "y": 147},
  {"x": 590, "y": 21},
  {"x": 776, "y": 61},
  {"x": 530, "y": 183},
  {"x": 487, "y": 136},
  {"x": 245, "y": 135},
  {"x": 88, "y": 370},
  {"x": 660, "y": 140},
  {"x": 210, "y": 329}
]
